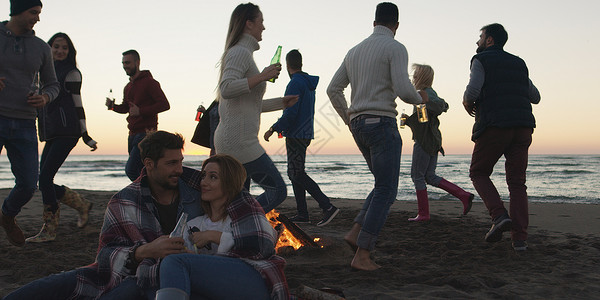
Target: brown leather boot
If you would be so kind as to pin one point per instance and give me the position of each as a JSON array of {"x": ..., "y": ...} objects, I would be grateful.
[
  {"x": 13, "y": 231},
  {"x": 48, "y": 232},
  {"x": 74, "y": 200}
]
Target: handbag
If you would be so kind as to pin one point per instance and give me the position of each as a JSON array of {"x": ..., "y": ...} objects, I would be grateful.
[{"x": 202, "y": 133}]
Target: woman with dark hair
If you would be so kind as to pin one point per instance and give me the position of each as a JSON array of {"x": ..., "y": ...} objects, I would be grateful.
[
  {"x": 241, "y": 90},
  {"x": 234, "y": 242},
  {"x": 61, "y": 124}
]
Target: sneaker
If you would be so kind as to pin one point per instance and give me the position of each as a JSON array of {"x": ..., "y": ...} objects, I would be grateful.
[
  {"x": 501, "y": 224},
  {"x": 328, "y": 215},
  {"x": 519, "y": 245},
  {"x": 300, "y": 219}
]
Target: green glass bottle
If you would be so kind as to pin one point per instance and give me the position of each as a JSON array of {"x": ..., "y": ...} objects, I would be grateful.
[{"x": 276, "y": 59}]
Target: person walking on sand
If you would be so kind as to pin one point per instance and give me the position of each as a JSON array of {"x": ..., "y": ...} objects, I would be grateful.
[
  {"x": 377, "y": 71},
  {"x": 297, "y": 125},
  {"x": 428, "y": 142},
  {"x": 241, "y": 90},
  {"x": 25, "y": 62},
  {"x": 499, "y": 95},
  {"x": 61, "y": 124},
  {"x": 143, "y": 99}
]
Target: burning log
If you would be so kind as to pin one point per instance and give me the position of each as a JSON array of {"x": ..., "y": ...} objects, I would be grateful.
[
  {"x": 296, "y": 231},
  {"x": 291, "y": 237}
]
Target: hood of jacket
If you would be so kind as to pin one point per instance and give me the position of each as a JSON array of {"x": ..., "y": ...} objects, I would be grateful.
[{"x": 311, "y": 80}]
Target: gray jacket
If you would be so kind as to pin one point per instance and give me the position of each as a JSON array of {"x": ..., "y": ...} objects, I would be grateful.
[{"x": 21, "y": 58}]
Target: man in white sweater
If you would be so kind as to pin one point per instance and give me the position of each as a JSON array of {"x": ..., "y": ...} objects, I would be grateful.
[{"x": 376, "y": 70}]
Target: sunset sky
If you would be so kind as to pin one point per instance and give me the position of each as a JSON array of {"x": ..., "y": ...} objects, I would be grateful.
[{"x": 181, "y": 42}]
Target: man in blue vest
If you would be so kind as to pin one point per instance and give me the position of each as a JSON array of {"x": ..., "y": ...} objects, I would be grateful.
[{"x": 499, "y": 96}]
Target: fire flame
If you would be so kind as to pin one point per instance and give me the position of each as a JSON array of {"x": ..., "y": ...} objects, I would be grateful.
[{"x": 286, "y": 238}]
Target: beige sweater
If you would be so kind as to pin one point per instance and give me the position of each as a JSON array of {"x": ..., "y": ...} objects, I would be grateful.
[
  {"x": 239, "y": 106},
  {"x": 376, "y": 70}
]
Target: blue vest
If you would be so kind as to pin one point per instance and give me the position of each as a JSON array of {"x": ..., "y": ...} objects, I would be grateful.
[{"x": 504, "y": 99}]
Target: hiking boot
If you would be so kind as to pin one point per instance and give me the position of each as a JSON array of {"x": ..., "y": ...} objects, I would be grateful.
[
  {"x": 501, "y": 224},
  {"x": 519, "y": 245},
  {"x": 328, "y": 215},
  {"x": 13, "y": 231},
  {"x": 300, "y": 219}
]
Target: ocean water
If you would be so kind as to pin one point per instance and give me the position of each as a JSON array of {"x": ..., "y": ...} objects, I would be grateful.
[{"x": 550, "y": 178}]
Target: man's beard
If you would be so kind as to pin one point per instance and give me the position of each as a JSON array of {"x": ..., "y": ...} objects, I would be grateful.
[
  {"x": 168, "y": 186},
  {"x": 132, "y": 72}
]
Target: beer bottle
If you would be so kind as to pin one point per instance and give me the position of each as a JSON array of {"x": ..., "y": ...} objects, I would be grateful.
[{"x": 276, "y": 59}]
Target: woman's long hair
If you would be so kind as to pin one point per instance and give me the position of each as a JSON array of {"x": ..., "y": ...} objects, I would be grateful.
[
  {"x": 71, "y": 56},
  {"x": 232, "y": 178},
  {"x": 237, "y": 24},
  {"x": 422, "y": 76}
]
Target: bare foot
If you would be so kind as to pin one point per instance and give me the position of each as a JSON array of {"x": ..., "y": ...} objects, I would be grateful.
[
  {"x": 362, "y": 261},
  {"x": 352, "y": 236}
]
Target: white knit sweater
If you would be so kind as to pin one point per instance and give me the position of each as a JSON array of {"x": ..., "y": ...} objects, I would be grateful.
[
  {"x": 376, "y": 70},
  {"x": 239, "y": 106}
]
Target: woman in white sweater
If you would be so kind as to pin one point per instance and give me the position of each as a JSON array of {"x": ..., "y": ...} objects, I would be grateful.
[{"x": 241, "y": 89}]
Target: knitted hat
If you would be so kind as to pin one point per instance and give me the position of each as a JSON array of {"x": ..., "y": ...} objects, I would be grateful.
[{"x": 19, "y": 6}]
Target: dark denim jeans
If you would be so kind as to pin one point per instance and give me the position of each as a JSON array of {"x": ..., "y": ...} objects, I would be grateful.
[
  {"x": 264, "y": 173},
  {"x": 301, "y": 182},
  {"x": 53, "y": 156},
  {"x": 19, "y": 137},
  {"x": 60, "y": 286},
  {"x": 134, "y": 165},
  {"x": 513, "y": 143},
  {"x": 212, "y": 277},
  {"x": 380, "y": 143}
]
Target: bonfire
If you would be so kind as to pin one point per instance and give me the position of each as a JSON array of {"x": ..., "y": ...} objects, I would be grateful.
[{"x": 290, "y": 235}]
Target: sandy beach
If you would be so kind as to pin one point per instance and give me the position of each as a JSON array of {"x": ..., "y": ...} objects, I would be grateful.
[{"x": 444, "y": 258}]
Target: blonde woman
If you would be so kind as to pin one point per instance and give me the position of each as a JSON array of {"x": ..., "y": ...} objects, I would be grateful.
[
  {"x": 428, "y": 142},
  {"x": 241, "y": 90}
]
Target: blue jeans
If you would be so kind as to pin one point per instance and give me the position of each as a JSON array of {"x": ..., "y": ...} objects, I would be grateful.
[
  {"x": 53, "y": 156},
  {"x": 423, "y": 168},
  {"x": 380, "y": 143},
  {"x": 19, "y": 137},
  {"x": 60, "y": 286},
  {"x": 212, "y": 277},
  {"x": 301, "y": 182},
  {"x": 134, "y": 163},
  {"x": 264, "y": 173}
]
